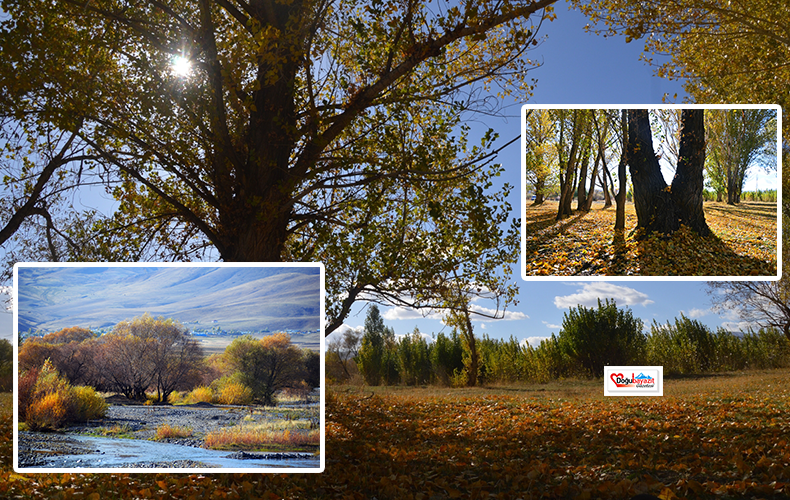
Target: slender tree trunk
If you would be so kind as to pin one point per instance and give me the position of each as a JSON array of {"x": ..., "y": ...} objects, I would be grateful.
[
  {"x": 591, "y": 195},
  {"x": 619, "y": 221}
]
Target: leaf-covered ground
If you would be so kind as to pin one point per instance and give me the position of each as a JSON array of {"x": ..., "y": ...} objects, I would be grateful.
[
  {"x": 720, "y": 437},
  {"x": 744, "y": 244}
]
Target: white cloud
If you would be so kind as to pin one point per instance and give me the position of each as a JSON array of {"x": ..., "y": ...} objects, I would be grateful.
[
  {"x": 337, "y": 335},
  {"x": 397, "y": 313},
  {"x": 552, "y": 325},
  {"x": 589, "y": 294},
  {"x": 740, "y": 326},
  {"x": 697, "y": 313},
  {"x": 533, "y": 341}
]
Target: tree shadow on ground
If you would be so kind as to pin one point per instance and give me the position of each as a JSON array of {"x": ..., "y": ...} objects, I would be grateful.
[
  {"x": 586, "y": 245},
  {"x": 688, "y": 254}
]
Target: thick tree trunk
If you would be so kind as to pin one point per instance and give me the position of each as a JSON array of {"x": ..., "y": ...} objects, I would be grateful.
[
  {"x": 661, "y": 208},
  {"x": 688, "y": 183},
  {"x": 539, "y": 187},
  {"x": 655, "y": 209}
]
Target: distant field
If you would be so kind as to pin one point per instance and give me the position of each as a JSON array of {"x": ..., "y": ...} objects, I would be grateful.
[{"x": 217, "y": 344}]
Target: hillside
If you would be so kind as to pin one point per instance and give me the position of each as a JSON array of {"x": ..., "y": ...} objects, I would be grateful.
[{"x": 231, "y": 298}]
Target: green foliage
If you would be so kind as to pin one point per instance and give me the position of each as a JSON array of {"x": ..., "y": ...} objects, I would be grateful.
[
  {"x": 595, "y": 338},
  {"x": 446, "y": 357},
  {"x": 373, "y": 351},
  {"x": 414, "y": 359},
  {"x": 265, "y": 365}
]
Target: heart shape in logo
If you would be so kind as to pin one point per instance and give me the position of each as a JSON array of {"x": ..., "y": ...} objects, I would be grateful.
[{"x": 614, "y": 376}]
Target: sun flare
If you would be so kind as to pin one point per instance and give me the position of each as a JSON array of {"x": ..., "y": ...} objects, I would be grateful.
[{"x": 181, "y": 66}]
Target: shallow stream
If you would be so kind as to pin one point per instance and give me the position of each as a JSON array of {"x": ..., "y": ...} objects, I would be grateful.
[{"x": 115, "y": 452}]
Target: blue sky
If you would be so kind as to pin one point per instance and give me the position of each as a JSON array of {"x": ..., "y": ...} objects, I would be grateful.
[{"x": 577, "y": 68}]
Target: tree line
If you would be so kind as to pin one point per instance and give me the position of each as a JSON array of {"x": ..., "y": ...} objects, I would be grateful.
[
  {"x": 590, "y": 338},
  {"x": 150, "y": 359},
  {"x": 573, "y": 152}
]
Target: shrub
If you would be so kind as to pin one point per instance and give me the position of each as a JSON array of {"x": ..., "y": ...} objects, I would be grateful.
[
  {"x": 251, "y": 438},
  {"x": 49, "y": 412},
  {"x": 48, "y": 401},
  {"x": 27, "y": 384},
  {"x": 594, "y": 338},
  {"x": 200, "y": 394},
  {"x": 234, "y": 393}
]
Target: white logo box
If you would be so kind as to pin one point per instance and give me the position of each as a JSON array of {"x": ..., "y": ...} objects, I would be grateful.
[{"x": 633, "y": 381}]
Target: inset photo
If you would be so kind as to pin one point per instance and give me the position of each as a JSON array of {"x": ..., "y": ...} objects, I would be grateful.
[
  {"x": 169, "y": 367},
  {"x": 689, "y": 191}
]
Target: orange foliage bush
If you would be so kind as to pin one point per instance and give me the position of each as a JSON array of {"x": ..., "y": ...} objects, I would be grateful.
[
  {"x": 234, "y": 393},
  {"x": 200, "y": 395},
  {"x": 47, "y": 401},
  {"x": 49, "y": 412}
]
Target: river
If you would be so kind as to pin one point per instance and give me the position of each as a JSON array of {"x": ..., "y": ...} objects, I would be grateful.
[{"x": 122, "y": 453}]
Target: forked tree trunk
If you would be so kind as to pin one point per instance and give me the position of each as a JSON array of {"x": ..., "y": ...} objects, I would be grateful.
[{"x": 661, "y": 208}]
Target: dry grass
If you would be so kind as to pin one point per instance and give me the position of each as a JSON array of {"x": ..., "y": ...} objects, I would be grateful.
[
  {"x": 264, "y": 437},
  {"x": 167, "y": 431},
  {"x": 751, "y": 381}
]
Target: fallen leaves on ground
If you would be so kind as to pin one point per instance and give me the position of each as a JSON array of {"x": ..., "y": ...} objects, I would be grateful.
[
  {"x": 743, "y": 244},
  {"x": 723, "y": 443}
]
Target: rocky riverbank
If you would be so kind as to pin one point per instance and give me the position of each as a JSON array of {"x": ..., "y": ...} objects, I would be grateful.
[{"x": 36, "y": 449}]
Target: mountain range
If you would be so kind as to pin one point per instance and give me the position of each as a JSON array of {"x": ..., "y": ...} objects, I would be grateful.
[{"x": 231, "y": 298}]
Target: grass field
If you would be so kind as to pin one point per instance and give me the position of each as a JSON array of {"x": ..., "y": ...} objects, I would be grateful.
[
  {"x": 723, "y": 436},
  {"x": 744, "y": 244}
]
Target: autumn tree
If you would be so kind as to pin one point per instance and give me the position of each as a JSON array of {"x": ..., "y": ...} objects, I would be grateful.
[
  {"x": 344, "y": 350},
  {"x": 740, "y": 140},
  {"x": 328, "y": 130},
  {"x": 266, "y": 365},
  {"x": 72, "y": 351},
  {"x": 149, "y": 353},
  {"x": 573, "y": 144},
  {"x": 540, "y": 153}
]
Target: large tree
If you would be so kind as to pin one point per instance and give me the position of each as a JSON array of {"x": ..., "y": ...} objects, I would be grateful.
[
  {"x": 323, "y": 130},
  {"x": 148, "y": 353},
  {"x": 660, "y": 207},
  {"x": 266, "y": 365},
  {"x": 733, "y": 51}
]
